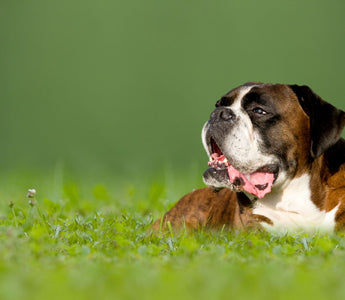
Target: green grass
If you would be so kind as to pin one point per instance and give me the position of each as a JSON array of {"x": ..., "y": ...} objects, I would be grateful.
[{"x": 86, "y": 239}]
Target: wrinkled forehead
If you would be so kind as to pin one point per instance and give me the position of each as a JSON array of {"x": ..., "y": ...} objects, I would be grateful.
[
  {"x": 235, "y": 96},
  {"x": 269, "y": 93}
]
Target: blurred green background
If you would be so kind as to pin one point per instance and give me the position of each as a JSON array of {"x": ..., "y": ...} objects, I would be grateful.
[{"x": 127, "y": 85}]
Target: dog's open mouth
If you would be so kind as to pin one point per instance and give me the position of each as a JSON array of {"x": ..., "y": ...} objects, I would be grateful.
[{"x": 258, "y": 183}]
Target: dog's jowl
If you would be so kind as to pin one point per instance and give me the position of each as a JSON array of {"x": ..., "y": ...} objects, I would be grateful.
[{"x": 276, "y": 160}]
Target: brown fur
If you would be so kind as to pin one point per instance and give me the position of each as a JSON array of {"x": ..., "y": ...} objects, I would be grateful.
[{"x": 208, "y": 208}]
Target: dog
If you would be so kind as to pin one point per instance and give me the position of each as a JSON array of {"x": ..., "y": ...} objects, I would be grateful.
[{"x": 277, "y": 161}]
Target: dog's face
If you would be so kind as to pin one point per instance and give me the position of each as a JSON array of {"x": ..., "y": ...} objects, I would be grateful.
[{"x": 260, "y": 136}]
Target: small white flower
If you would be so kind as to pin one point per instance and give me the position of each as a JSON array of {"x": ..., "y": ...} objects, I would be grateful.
[{"x": 31, "y": 193}]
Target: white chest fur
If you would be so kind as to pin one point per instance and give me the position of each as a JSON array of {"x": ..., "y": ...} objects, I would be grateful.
[{"x": 291, "y": 208}]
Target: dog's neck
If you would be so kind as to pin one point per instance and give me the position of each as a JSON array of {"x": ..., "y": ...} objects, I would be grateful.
[
  {"x": 309, "y": 183},
  {"x": 288, "y": 195},
  {"x": 300, "y": 202}
]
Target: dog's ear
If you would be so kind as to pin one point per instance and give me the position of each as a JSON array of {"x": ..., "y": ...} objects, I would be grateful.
[{"x": 326, "y": 121}]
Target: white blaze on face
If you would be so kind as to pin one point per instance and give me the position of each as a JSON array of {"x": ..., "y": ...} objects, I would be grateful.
[
  {"x": 237, "y": 109},
  {"x": 243, "y": 142}
]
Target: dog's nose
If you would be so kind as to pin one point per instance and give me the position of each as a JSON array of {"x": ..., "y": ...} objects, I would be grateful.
[{"x": 222, "y": 114}]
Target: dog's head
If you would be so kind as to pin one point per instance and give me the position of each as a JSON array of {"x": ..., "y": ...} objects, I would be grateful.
[{"x": 261, "y": 135}]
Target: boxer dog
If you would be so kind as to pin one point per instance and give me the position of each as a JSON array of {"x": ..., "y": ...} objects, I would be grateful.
[{"x": 276, "y": 161}]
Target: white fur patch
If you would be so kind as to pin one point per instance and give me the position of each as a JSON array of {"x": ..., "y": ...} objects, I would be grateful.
[
  {"x": 235, "y": 107},
  {"x": 203, "y": 138},
  {"x": 243, "y": 143},
  {"x": 291, "y": 208}
]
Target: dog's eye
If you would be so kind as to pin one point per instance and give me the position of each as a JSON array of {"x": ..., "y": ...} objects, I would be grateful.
[{"x": 259, "y": 111}]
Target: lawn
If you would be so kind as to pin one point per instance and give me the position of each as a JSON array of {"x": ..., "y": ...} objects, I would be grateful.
[{"x": 81, "y": 238}]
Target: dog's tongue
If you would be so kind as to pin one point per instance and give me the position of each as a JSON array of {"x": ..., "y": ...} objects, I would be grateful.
[{"x": 256, "y": 183}]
